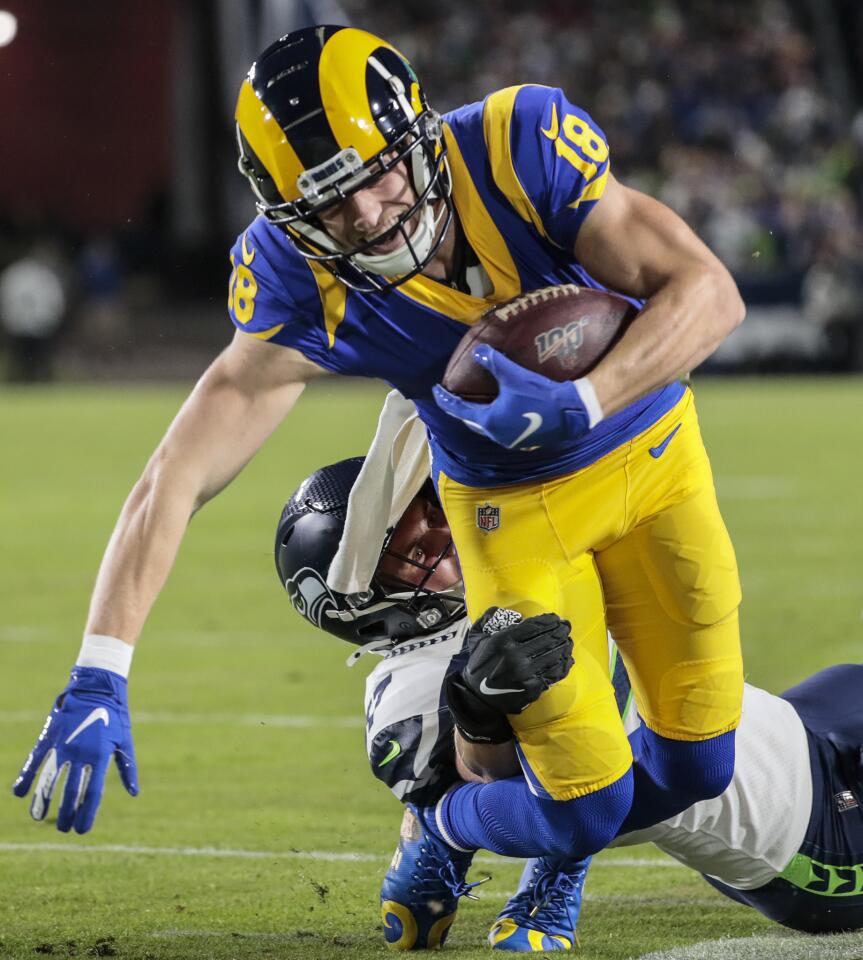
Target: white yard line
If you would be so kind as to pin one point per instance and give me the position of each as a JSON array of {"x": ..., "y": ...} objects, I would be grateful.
[
  {"x": 170, "y": 718},
  {"x": 332, "y": 856},
  {"x": 781, "y": 946},
  {"x": 847, "y": 946},
  {"x": 253, "y": 935}
]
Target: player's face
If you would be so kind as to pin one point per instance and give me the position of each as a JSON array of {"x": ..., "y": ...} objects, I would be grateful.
[
  {"x": 420, "y": 541},
  {"x": 372, "y": 212}
]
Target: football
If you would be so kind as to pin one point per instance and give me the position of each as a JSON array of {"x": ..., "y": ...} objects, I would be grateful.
[{"x": 560, "y": 332}]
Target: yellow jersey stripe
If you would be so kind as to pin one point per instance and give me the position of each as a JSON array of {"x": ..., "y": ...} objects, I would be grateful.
[
  {"x": 334, "y": 299},
  {"x": 496, "y": 121},
  {"x": 265, "y": 334},
  {"x": 595, "y": 190},
  {"x": 487, "y": 243},
  {"x": 480, "y": 229}
]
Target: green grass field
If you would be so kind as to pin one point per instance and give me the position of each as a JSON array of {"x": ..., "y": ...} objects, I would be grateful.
[{"x": 259, "y": 832}]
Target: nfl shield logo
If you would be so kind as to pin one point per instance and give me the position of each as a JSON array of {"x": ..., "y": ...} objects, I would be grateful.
[{"x": 487, "y": 517}]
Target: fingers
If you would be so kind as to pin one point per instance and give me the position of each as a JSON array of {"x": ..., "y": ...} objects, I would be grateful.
[
  {"x": 73, "y": 795},
  {"x": 505, "y": 371},
  {"x": 472, "y": 414},
  {"x": 88, "y": 797},
  {"x": 558, "y": 671},
  {"x": 127, "y": 767},
  {"x": 552, "y": 666},
  {"x": 45, "y": 785},
  {"x": 540, "y": 632},
  {"x": 25, "y": 778},
  {"x": 555, "y": 648}
]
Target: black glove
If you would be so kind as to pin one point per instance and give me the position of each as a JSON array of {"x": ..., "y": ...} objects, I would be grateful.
[{"x": 511, "y": 661}]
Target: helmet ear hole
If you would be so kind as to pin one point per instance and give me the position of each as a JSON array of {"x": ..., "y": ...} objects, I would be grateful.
[{"x": 372, "y": 631}]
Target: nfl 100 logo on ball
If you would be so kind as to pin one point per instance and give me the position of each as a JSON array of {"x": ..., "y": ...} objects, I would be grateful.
[
  {"x": 487, "y": 517},
  {"x": 561, "y": 342}
]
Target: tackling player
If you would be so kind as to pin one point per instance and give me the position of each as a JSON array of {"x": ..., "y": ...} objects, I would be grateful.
[
  {"x": 385, "y": 231},
  {"x": 785, "y": 837}
]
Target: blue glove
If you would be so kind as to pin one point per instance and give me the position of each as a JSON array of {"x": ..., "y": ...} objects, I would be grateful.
[
  {"x": 89, "y": 723},
  {"x": 530, "y": 410}
]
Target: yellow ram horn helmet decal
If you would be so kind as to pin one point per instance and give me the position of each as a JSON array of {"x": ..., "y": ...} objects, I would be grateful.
[{"x": 269, "y": 141}]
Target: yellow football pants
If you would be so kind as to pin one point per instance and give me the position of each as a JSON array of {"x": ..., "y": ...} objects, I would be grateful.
[{"x": 634, "y": 541}]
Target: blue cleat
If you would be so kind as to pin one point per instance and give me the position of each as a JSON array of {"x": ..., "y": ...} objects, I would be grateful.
[
  {"x": 543, "y": 913},
  {"x": 422, "y": 887}
]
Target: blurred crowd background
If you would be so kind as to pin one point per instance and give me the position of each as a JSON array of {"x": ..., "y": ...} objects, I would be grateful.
[{"x": 120, "y": 196}]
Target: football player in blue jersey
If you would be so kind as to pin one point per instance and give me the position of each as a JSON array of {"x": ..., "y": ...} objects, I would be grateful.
[
  {"x": 785, "y": 837},
  {"x": 385, "y": 230}
]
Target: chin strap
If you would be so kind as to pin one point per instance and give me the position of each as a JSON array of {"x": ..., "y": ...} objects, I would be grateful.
[
  {"x": 408, "y": 256},
  {"x": 373, "y": 646}
]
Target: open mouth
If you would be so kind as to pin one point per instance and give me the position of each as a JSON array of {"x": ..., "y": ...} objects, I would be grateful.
[
  {"x": 388, "y": 241},
  {"x": 392, "y": 238}
]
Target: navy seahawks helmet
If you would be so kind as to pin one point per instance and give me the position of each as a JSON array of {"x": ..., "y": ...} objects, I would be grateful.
[
  {"x": 307, "y": 539},
  {"x": 323, "y": 113}
]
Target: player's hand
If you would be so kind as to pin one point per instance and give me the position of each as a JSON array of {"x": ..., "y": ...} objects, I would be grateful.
[
  {"x": 511, "y": 661},
  {"x": 87, "y": 726},
  {"x": 529, "y": 412}
]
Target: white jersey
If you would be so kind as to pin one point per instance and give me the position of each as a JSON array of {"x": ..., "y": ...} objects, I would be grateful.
[
  {"x": 746, "y": 836},
  {"x": 409, "y": 730}
]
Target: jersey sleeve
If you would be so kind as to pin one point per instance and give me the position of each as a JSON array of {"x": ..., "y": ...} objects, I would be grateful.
[
  {"x": 548, "y": 157},
  {"x": 409, "y": 729},
  {"x": 415, "y": 757},
  {"x": 272, "y": 299}
]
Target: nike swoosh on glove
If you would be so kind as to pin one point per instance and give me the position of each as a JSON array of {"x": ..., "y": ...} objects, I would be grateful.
[
  {"x": 87, "y": 726},
  {"x": 510, "y": 662},
  {"x": 529, "y": 412}
]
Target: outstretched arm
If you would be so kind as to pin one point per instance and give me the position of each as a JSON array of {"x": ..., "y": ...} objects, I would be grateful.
[
  {"x": 238, "y": 402},
  {"x": 243, "y": 396}
]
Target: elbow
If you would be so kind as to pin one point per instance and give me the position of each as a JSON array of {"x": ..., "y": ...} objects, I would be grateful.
[
  {"x": 167, "y": 480},
  {"x": 732, "y": 309},
  {"x": 736, "y": 308},
  {"x": 142, "y": 492}
]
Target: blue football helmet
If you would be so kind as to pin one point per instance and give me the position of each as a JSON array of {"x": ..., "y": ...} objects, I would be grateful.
[
  {"x": 307, "y": 538},
  {"x": 323, "y": 113}
]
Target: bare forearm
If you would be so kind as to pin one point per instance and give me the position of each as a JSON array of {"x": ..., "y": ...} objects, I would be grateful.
[
  {"x": 140, "y": 554},
  {"x": 484, "y": 762},
  {"x": 634, "y": 244},
  {"x": 233, "y": 409},
  {"x": 681, "y": 325}
]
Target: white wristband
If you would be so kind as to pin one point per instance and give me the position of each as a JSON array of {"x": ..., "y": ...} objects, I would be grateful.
[
  {"x": 105, "y": 653},
  {"x": 585, "y": 391}
]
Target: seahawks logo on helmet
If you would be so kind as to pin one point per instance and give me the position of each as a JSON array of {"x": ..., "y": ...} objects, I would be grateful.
[{"x": 310, "y": 595}]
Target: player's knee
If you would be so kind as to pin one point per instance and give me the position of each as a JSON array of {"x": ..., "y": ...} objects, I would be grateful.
[
  {"x": 671, "y": 775},
  {"x": 692, "y": 563},
  {"x": 586, "y": 824},
  {"x": 714, "y": 774},
  {"x": 692, "y": 771}
]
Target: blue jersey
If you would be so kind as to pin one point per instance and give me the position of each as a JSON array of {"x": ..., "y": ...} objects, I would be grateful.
[{"x": 527, "y": 167}]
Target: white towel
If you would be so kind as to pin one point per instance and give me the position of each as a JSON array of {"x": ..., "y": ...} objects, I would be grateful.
[{"x": 397, "y": 465}]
